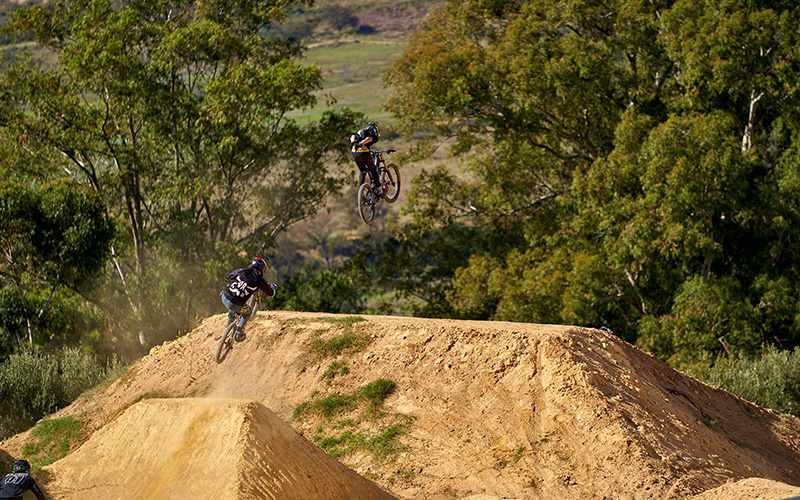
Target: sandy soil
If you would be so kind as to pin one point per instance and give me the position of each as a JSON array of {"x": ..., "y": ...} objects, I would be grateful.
[
  {"x": 203, "y": 449},
  {"x": 494, "y": 410}
]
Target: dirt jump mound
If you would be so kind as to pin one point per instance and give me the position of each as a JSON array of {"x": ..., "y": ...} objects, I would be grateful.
[
  {"x": 203, "y": 449},
  {"x": 486, "y": 411}
]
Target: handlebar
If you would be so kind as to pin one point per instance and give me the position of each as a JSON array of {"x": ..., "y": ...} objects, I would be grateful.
[{"x": 387, "y": 151}]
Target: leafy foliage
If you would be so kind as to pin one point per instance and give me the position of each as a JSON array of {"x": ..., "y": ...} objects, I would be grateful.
[
  {"x": 176, "y": 114},
  {"x": 771, "y": 381},
  {"x": 33, "y": 384},
  {"x": 55, "y": 241},
  {"x": 338, "y": 290},
  {"x": 638, "y": 161}
]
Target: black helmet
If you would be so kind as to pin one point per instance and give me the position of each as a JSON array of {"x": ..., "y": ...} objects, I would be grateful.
[
  {"x": 21, "y": 466},
  {"x": 372, "y": 126},
  {"x": 259, "y": 265}
]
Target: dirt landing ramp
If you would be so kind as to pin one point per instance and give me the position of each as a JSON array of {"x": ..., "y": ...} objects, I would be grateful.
[
  {"x": 203, "y": 449},
  {"x": 751, "y": 489}
]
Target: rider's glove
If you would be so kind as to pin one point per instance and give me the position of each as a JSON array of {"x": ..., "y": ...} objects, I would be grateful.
[{"x": 274, "y": 287}]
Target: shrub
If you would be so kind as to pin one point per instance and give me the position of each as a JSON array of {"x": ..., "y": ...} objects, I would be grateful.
[
  {"x": 771, "y": 381},
  {"x": 33, "y": 384}
]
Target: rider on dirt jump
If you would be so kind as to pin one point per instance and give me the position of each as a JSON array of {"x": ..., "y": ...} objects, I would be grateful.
[
  {"x": 360, "y": 143},
  {"x": 243, "y": 283}
]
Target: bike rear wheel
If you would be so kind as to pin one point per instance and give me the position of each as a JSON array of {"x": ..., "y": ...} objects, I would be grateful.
[
  {"x": 390, "y": 178},
  {"x": 226, "y": 342},
  {"x": 366, "y": 203}
]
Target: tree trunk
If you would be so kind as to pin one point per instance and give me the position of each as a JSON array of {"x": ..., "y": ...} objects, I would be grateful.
[{"x": 747, "y": 137}]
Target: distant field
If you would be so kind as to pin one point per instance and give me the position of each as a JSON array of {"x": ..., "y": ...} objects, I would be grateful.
[{"x": 352, "y": 72}]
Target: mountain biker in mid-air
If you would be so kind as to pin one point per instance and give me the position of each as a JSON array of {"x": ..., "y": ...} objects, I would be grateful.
[
  {"x": 243, "y": 283},
  {"x": 360, "y": 143},
  {"x": 15, "y": 485}
]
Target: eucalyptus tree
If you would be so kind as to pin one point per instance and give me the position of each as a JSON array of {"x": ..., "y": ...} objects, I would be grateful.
[
  {"x": 54, "y": 242},
  {"x": 178, "y": 114},
  {"x": 640, "y": 159}
]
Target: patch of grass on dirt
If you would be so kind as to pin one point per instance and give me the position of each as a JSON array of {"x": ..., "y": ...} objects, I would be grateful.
[
  {"x": 514, "y": 457},
  {"x": 290, "y": 322},
  {"x": 347, "y": 321},
  {"x": 372, "y": 394},
  {"x": 341, "y": 445},
  {"x": 51, "y": 440},
  {"x": 327, "y": 407},
  {"x": 384, "y": 445},
  {"x": 348, "y": 341},
  {"x": 125, "y": 374},
  {"x": 376, "y": 392},
  {"x": 335, "y": 369},
  {"x": 334, "y": 405},
  {"x": 739, "y": 442},
  {"x": 157, "y": 394}
]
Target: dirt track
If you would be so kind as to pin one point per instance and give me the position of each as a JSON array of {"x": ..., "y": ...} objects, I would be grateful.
[{"x": 497, "y": 410}]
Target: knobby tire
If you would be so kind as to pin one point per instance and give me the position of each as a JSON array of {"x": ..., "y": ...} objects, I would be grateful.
[
  {"x": 254, "y": 302},
  {"x": 391, "y": 177},
  {"x": 226, "y": 342},
  {"x": 366, "y": 203}
]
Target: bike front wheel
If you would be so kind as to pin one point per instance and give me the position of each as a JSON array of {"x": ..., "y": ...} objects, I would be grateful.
[
  {"x": 366, "y": 203},
  {"x": 226, "y": 342},
  {"x": 390, "y": 179},
  {"x": 253, "y": 303}
]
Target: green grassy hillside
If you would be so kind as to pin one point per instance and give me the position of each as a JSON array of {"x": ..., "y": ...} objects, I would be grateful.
[{"x": 352, "y": 72}]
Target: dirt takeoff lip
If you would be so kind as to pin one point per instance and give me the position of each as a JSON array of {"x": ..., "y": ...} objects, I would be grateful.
[{"x": 203, "y": 449}]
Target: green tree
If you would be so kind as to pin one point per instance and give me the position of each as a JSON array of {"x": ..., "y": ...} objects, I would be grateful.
[
  {"x": 641, "y": 159},
  {"x": 55, "y": 240},
  {"x": 176, "y": 114}
]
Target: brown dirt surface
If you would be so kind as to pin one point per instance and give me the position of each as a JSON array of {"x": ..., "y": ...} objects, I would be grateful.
[
  {"x": 489, "y": 410},
  {"x": 203, "y": 449},
  {"x": 751, "y": 489}
]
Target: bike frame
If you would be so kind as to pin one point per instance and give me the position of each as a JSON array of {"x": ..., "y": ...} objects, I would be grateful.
[{"x": 380, "y": 164}]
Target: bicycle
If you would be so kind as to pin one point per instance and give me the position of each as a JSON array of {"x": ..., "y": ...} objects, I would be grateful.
[
  {"x": 227, "y": 340},
  {"x": 389, "y": 178}
]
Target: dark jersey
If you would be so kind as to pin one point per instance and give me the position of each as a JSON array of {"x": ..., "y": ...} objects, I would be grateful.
[
  {"x": 243, "y": 283},
  {"x": 361, "y": 135},
  {"x": 14, "y": 485}
]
